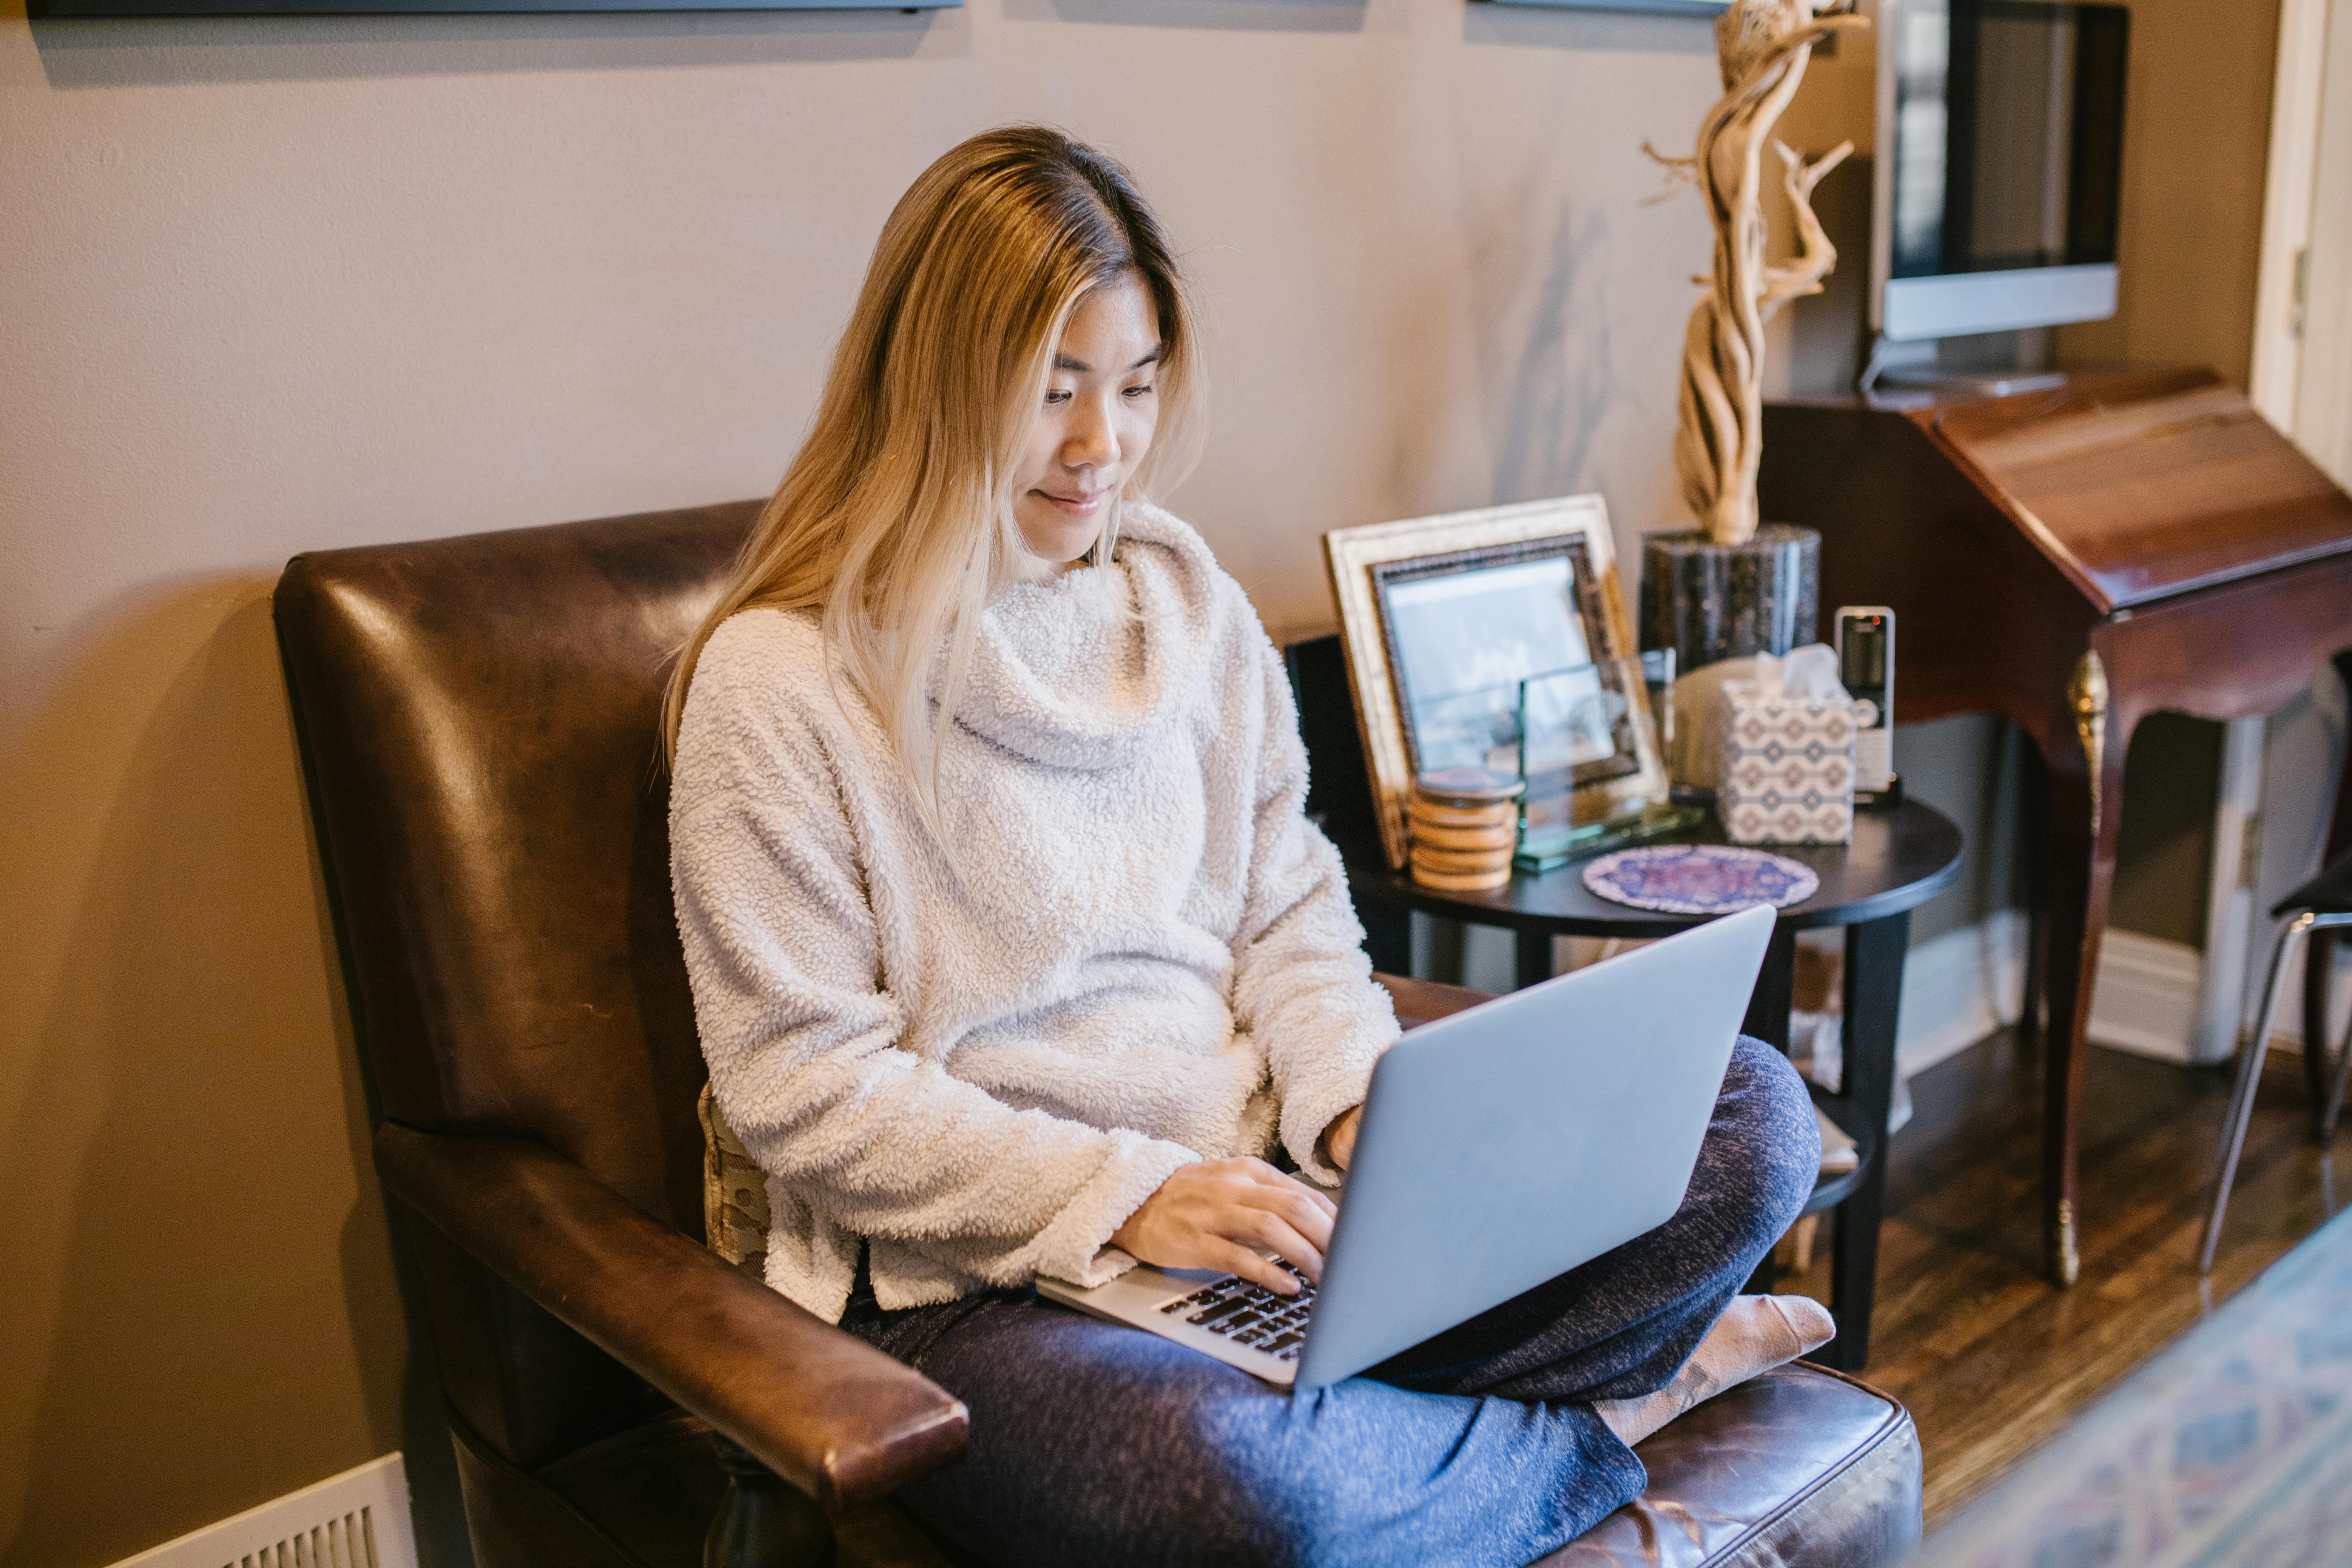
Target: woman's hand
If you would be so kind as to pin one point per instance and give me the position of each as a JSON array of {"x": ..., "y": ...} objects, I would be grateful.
[
  {"x": 1221, "y": 1214},
  {"x": 1340, "y": 1139}
]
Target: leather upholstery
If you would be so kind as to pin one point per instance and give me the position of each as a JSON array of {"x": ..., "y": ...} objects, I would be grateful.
[
  {"x": 1800, "y": 1465},
  {"x": 478, "y": 720},
  {"x": 840, "y": 1420},
  {"x": 1418, "y": 1002}
]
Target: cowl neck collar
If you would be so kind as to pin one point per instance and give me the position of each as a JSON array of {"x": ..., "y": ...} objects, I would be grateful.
[{"x": 1088, "y": 669}]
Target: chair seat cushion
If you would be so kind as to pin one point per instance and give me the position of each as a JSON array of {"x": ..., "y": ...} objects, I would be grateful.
[{"x": 1799, "y": 1465}]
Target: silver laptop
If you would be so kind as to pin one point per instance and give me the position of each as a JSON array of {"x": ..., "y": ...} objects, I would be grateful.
[{"x": 1499, "y": 1147}]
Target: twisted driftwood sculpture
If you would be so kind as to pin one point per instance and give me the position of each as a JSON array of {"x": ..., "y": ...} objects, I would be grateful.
[{"x": 1763, "y": 46}]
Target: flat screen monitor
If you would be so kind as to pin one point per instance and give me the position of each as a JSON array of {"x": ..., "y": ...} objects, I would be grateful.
[{"x": 1996, "y": 207}]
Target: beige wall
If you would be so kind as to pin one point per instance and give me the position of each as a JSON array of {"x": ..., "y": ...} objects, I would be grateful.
[
  {"x": 2196, "y": 142},
  {"x": 269, "y": 285},
  {"x": 2197, "y": 131}
]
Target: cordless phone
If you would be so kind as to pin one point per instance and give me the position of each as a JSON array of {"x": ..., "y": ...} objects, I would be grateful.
[{"x": 1866, "y": 650}]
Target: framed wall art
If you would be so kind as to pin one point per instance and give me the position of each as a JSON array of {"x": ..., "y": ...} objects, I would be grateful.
[{"x": 1462, "y": 629}]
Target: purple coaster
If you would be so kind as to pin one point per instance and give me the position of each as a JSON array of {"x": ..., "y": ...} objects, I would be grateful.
[{"x": 1699, "y": 878}]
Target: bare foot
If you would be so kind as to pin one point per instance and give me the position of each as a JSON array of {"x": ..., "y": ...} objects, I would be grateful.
[{"x": 1756, "y": 1334}]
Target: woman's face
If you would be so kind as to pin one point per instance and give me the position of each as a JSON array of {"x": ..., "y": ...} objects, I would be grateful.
[{"x": 1096, "y": 425}]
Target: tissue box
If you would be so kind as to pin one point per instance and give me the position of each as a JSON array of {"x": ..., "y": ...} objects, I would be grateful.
[{"x": 1787, "y": 767}]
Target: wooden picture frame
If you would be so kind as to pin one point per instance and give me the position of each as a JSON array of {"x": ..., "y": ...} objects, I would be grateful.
[{"x": 1368, "y": 567}]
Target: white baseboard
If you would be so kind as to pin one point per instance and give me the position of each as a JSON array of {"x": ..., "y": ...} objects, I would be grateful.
[
  {"x": 1959, "y": 987},
  {"x": 1964, "y": 985},
  {"x": 356, "y": 1520},
  {"x": 2288, "y": 1031},
  {"x": 2148, "y": 998}
]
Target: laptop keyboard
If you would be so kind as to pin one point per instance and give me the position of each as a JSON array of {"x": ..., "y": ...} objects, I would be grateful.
[{"x": 1250, "y": 1314}]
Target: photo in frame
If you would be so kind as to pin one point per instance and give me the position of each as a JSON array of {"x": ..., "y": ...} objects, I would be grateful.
[{"x": 1465, "y": 632}]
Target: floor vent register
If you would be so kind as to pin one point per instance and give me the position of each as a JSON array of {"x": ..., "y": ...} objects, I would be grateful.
[{"x": 356, "y": 1520}]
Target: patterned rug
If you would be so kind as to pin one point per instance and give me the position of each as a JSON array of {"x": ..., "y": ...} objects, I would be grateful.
[{"x": 2233, "y": 1447}]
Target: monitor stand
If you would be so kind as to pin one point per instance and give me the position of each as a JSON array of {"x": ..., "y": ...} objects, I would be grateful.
[
  {"x": 1913, "y": 367},
  {"x": 1948, "y": 382}
]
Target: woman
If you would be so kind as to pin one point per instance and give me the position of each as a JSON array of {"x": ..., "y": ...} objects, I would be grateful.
[{"x": 1014, "y": 954}]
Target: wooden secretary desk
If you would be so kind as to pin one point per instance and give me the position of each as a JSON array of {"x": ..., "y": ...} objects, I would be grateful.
[{"x": 2075, "y": 560}]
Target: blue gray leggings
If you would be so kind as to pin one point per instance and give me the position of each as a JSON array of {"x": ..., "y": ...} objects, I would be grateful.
[{"x": 1093, "y": 1442}]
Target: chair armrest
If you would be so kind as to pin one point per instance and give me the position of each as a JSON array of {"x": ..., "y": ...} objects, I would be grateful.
[
  {"x": 836, "y": 1417},
  {"x": 1420, "y": 1001}
]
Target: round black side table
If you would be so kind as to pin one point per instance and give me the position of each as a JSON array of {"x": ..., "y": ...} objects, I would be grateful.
[{"x": 1899, "y": 859}]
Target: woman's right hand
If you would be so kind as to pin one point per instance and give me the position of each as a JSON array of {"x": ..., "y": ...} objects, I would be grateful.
[{"x": 1222, "y": 1213}]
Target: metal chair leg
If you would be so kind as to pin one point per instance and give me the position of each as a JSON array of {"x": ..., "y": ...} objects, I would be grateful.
[{"x": 2250, "y": 1070}]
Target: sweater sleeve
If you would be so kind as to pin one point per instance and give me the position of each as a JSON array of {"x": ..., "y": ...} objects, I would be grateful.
[
  {"x": 804, "y": 1035},
  {"x": 1302, "y": 983}
]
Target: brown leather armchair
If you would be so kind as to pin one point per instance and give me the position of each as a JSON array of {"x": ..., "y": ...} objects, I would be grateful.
[{"x": 478, "y": 722}]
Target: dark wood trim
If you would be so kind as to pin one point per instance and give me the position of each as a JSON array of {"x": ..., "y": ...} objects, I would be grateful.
[
  {"x": 1873, "y": 1000},
  {"x": 1899, "y": 859},
  {"x": 1932, "y": 511}
]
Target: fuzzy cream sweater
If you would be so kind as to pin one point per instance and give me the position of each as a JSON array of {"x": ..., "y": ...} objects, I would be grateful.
[{"x": 1150, "y": 959}]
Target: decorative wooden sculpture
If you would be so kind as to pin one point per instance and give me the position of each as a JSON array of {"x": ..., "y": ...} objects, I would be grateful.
[{"x": 1764, "y": 45}]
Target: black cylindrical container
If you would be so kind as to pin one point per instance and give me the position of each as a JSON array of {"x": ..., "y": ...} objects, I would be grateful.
[{"x": 1709, "y": 600}]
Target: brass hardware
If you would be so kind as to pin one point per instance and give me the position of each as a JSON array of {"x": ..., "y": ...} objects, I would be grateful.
[{"x": 2087, "y": 693}]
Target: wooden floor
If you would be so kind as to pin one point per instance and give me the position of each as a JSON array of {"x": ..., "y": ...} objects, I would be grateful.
[{"x": 1990, "y": 1359}]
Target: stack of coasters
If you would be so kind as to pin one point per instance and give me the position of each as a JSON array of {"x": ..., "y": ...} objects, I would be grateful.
[{"x": 1464, "y": 823}]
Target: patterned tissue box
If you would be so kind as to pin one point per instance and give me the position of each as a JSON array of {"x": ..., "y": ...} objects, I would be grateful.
[{"x": 1788, "y": 768}]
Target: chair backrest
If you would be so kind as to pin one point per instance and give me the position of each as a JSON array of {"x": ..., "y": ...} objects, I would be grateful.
[{"x": 478, "y": 722}]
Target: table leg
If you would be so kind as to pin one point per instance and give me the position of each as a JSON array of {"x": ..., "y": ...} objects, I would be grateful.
[
  {"x": 1767, "y": 1020},
  {"x": 1531, "y": 958},
  {"x": 1875, "y": 955},
  {"x": 1775, "y": 987},
  {"x": 2086, "y": 800}
]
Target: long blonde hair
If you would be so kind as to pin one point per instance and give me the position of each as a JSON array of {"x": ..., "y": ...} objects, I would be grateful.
[{"x": 895, "y": 519}]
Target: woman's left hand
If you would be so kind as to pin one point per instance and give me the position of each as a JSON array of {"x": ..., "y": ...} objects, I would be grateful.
[{"x": 1340, "y": 1138}]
